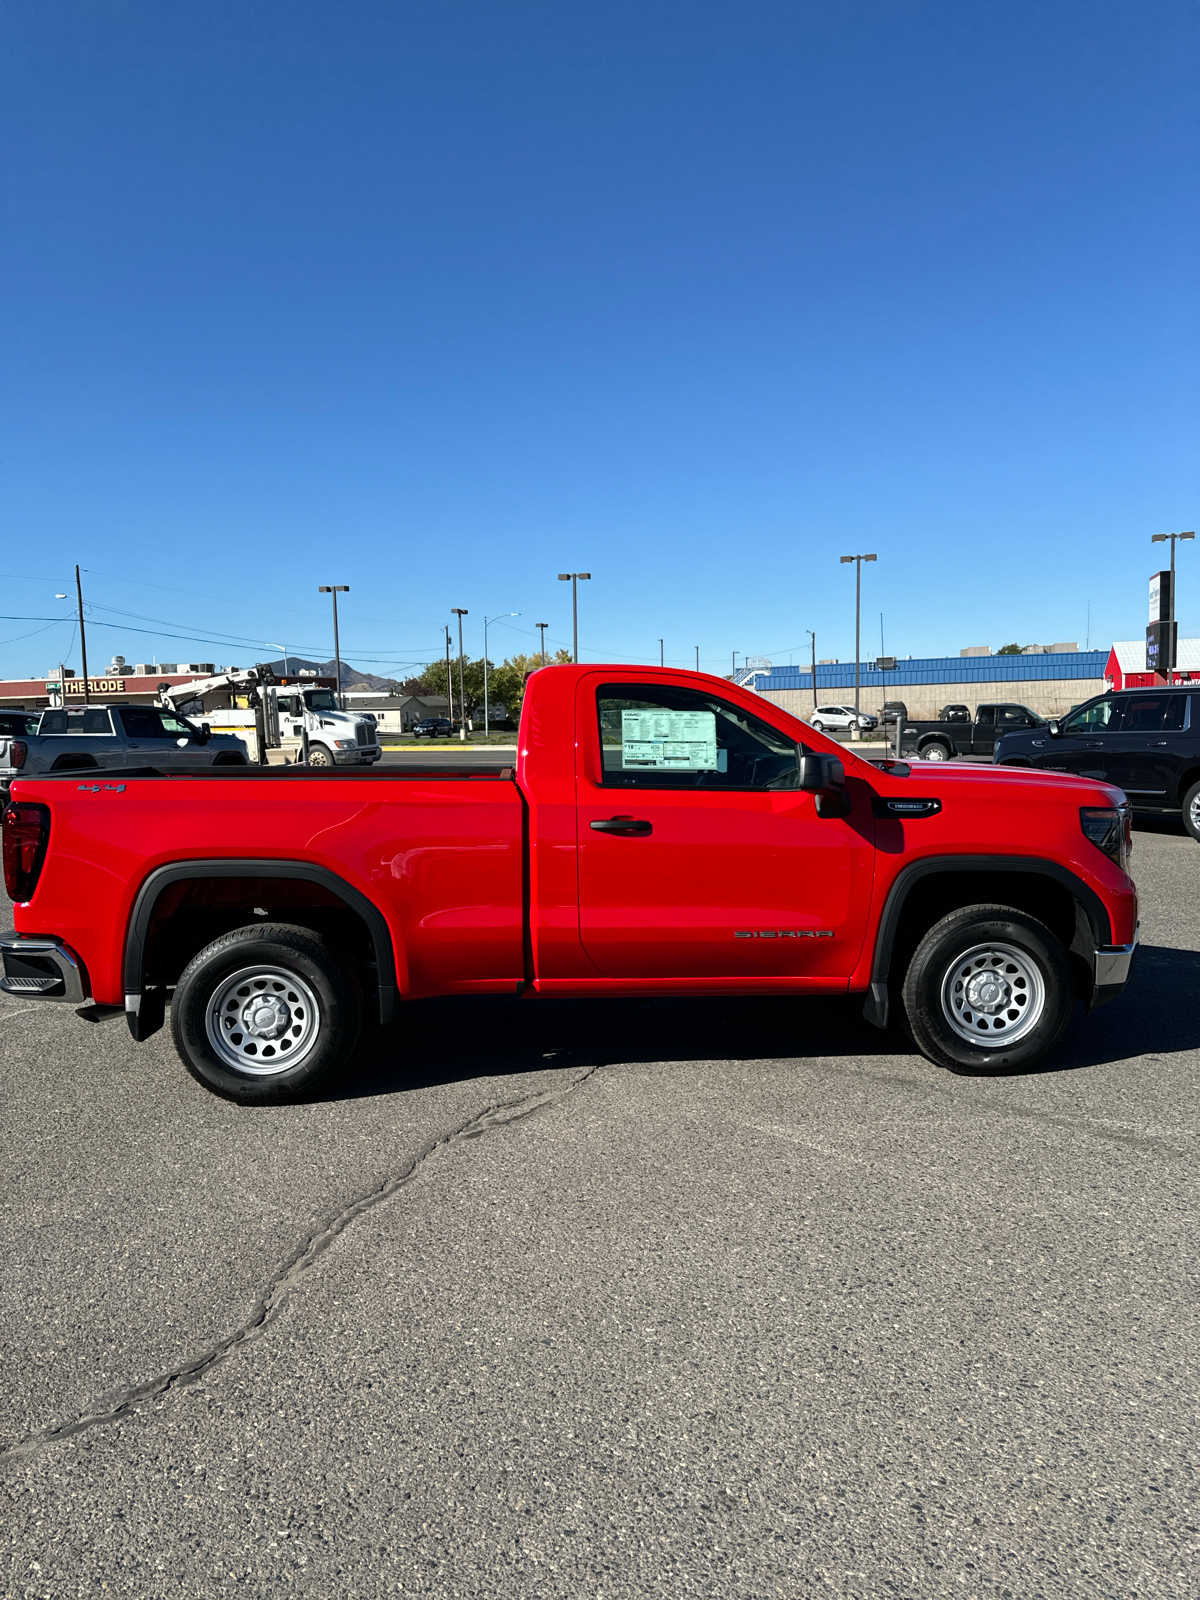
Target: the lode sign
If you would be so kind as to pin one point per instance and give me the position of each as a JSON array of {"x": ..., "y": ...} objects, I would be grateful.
[{"x": 95, "y": 686}]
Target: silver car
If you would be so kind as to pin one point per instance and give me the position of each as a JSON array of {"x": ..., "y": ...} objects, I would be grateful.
[{"x": 841, "y": 719}]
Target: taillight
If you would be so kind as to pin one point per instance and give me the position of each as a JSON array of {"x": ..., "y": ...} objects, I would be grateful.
[
  {"x": 26, "y": 833},
  {"x": 17, "y": 752}
]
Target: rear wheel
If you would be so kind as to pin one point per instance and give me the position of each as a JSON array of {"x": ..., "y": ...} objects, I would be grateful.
[
  {"x": 265, "y": 1013},
  {"x": 988, "y": 989},
  {"x": 937, "y": 751},
  {"x": 817, "y": 724},
  {"x": 1191, "y": 811}
]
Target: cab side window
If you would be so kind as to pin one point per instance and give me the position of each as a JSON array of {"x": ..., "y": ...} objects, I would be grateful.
[{"x": 658, "y": 737}]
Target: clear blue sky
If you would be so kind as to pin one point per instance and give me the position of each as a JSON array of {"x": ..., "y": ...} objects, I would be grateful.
[{"x": 439, "y": 299}]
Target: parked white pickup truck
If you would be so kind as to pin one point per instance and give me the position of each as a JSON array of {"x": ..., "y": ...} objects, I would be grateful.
[{"x": 82, "y": 738}]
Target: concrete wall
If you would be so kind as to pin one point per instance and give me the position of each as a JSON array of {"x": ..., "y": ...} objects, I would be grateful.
[{"x": 925, "y": 700}]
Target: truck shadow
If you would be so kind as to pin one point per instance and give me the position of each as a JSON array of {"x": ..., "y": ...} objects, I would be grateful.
[{"x": 444, "y": 1041}]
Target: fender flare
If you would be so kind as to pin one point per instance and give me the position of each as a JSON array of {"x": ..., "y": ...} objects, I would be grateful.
[
  {"x": 144, "y": 1010},
  {"x": 1087, "y": 902}
]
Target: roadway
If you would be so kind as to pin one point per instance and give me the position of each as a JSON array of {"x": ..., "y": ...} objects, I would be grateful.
[{"x": 686, "y": 1298}]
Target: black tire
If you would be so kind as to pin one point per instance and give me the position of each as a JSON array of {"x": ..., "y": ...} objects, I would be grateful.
[
  {"x": 1191, "y": 811},
  {"x": 817, "y": 724},
  {"x": 318, "y": 1012},
  {"x": 230, "y": 761},
  {"x": 935, "y": 750},
  {"x": 994, "y": 945},
  {"x": 318, "y": 756}
]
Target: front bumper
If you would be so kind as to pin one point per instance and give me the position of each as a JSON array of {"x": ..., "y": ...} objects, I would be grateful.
[
  {"x": 1111, "y": 966},
  {"x": 359, "y": 755},
  {"x": 41, "y": 969}
]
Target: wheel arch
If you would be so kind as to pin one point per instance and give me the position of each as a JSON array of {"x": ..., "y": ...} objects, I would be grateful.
[
  {"x": 144, "y": 1005},
  {"x": 925, "y": 890}
]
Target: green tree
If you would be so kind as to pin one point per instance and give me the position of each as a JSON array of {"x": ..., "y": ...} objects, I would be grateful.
[
  {"x": 1009, "y": 650},
  {"x": 434, "y": 677},
  {"x": 506, "y": 683}
]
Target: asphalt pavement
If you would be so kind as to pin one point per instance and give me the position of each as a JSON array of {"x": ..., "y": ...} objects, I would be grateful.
[{"x": 687, "y": 1298}]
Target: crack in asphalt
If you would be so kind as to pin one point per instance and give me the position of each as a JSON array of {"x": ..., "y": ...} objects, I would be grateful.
[{"x": 271, "y": 1300}]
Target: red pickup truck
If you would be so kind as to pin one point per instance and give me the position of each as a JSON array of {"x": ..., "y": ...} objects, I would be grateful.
[{"x": 660, "y": 832}]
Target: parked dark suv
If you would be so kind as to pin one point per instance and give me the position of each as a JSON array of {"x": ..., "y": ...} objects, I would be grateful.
[
  {"x": 1146, "y": 741},
  {"x": 432, "y": 728}
]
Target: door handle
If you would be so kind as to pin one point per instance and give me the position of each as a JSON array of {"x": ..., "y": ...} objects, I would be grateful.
[{"x": 629, "y": 825}]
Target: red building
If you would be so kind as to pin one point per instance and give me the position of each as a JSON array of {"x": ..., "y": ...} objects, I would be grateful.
[
  {"x": 1126, "y": 667},
  {"x": 33, "y": 694}
]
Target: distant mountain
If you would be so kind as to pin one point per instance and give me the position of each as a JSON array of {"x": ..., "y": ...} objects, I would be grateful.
[{"x": 352, "y": 678}]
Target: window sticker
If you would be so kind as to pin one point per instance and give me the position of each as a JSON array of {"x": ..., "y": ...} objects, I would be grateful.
[{"x": 673, "y": 741}]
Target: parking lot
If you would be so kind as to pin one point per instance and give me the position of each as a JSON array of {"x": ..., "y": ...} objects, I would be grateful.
[{"x": 663, "y": 1298}]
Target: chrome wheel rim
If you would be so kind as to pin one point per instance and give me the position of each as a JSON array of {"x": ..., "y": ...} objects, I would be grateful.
[
  {"x": 1194, "y": 813},
  {"x": 993, "y": 995},
  {"x": 935, "y": 752},
  {"x": 262, "y": 1021}
]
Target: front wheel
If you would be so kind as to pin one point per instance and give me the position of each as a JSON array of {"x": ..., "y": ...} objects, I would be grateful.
[
  {"x": 988, "y": 989},
  {"x": 265, "y": 1013},
  {"x": 1191, "y": 811},
  {"x": 318, "y": 756}
]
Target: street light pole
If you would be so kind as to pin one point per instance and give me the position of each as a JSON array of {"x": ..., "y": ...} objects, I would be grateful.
[
  {"x": 83, "y": 635},
  {"x": 574, "y": 578},
  {"x": 858, "y": 560},
  {"x": 542, "y": 626},
  {"x": 486, "y": 620},
  {"x": 697, "y": 658},
  {"x": 282, "y": 648},
  {"x": 813, "y": 641},
  {"x": 449, "y": 675},
  {"x": 335, "y": 589},
  {"x": 1155, "y": 538},
  {"x": 662, "y": 661},
  {"x": 460, "y": 612}
]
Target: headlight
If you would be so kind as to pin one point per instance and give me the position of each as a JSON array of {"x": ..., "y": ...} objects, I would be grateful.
[
  {"x": 345, "y": 744},
  {"x": 1110, "y": 829}
]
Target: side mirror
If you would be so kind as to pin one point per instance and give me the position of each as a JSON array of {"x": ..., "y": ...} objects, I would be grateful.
[
  {"x": 205, "y": 733},
  {"x": 1054, "y": 727},
  {"x": 825, "y": 777}
]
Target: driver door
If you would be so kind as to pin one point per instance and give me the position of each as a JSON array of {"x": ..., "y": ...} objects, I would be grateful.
[
  {"x": 698, "y": 855},
  {"x": 1085, "y": 739}
]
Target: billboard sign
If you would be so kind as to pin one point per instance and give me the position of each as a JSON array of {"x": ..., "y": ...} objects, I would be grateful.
[
  {"x": 1161, "y": 641},
  {"x": 1161, "y": 607}
]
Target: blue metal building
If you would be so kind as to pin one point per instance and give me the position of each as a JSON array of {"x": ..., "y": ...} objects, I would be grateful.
[{"x": 838, "y": 676}]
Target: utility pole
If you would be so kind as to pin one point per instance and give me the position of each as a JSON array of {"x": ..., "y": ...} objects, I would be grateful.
[
  {"x": 542, "y": 626},
  {"x": 574, "y": 578},
  {"x": 449, "y": 675},
  {"x": 335, "y": 589},
  {"x": 812, "y": 637},
  {"x": 84, "y": 637},
  {"x": 662, "y": 660},
  {"x": 858, "y": 560},
  {"x": 697, "y": 658},
  {"x": 460, "y": 612}
]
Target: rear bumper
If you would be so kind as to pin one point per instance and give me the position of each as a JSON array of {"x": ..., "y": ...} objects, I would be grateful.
[
  {"x": 41, "y": 969},
  {"x": 1111, "y": 966}
]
